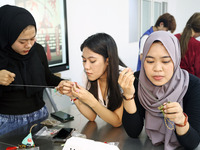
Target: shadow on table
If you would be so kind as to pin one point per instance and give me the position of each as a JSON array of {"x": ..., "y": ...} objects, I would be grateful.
[{"x": 107, "y": 133}]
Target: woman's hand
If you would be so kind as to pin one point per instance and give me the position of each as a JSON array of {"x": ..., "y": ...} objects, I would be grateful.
[
  {"x": 126, "y": 79},
  {"x": 6, "y": 77},
  {"x": 84, "y": 95},
  {"x": 75, "y": 91},
  {"x": 65, "y": 87},
  {"x": 174, "y": 112}
]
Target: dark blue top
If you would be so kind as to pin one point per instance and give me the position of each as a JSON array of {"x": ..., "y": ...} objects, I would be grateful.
[{"x": 148, "y": 32}]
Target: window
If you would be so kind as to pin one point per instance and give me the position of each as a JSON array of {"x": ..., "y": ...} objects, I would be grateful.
[
  {"x": 142, "y": 15},
  {"x": 134, "y": 20},
  {"x": 150, "y": 11}
]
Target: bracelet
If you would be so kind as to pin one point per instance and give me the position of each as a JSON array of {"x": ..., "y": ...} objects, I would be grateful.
[
  {"x": 185, "y": 122},
  {"x": 128, "y": 99},
  {"x": 74, "y": 99}
]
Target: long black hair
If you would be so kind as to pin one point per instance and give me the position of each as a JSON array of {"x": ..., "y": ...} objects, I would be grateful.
[{"x": 105, "y": 45}]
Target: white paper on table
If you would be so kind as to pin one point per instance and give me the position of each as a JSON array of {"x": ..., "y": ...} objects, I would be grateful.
[{"x": 77, "y": 143}]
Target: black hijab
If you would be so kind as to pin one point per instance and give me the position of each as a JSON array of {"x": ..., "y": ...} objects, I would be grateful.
[{"x": 27, "y": 68}]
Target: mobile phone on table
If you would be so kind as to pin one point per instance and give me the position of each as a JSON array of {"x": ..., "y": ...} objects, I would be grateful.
[
  {"x": 63, "y": 134},
  {"x": 62, "y": 116}
]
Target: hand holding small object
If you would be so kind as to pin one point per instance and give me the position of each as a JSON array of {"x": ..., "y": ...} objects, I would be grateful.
[
  {"x": 126, "y": 79},
  {"x": 6, "y": 77},
  {"x": 174, "y": 112},
  {"x": 64, "y": 87},
  {"x": 166, "y": 120},
  {"x": 83, "y": 94}
]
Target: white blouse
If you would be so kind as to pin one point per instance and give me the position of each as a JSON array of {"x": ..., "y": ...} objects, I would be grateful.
[{"x": 101, "y": 101}]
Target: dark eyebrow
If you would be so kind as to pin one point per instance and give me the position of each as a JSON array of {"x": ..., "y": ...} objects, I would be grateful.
[
  {"x": 161, "y": 57},
  {"x": 27, "y": 39},
  {"x": 166, "y": 57},
  {"x": 88, "y": 57},
  {"x": 149, "y": 57}
]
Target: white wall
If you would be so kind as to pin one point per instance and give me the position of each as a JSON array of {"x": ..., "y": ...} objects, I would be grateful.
[
  {"x": 182, "y": 11},
  {"x": 87, "y": 17}
]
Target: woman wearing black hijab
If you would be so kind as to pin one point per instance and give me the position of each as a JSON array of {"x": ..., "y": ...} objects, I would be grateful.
[{"x": 24, "y": 62}]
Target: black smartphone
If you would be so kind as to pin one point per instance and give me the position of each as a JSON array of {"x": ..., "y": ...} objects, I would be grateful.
[
  {"x": 62, "y": 135},
  {"x": 62, "y": 116}
]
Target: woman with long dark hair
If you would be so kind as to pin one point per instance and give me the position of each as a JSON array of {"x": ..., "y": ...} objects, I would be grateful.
[
  {"x": 102, "y": 95},
  {"x": 190, "y": 46}
]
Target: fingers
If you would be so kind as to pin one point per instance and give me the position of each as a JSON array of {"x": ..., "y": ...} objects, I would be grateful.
[
  {"x": 64, "y": 87},
  {"x": 83, "y": 94},
  {"x": 126, "y": 79},
  {"x": 76, "y": 88},
  {"x": 12, "y": 75},
  {"x": 68, "y": 88},
  {"x": 6, "y": 77},
  {"x": 173, "y": 111},
  {"x": 173, "y": 107},
  {"x": 123, "y": 73},
  {"x": 126, "y": 76}
]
